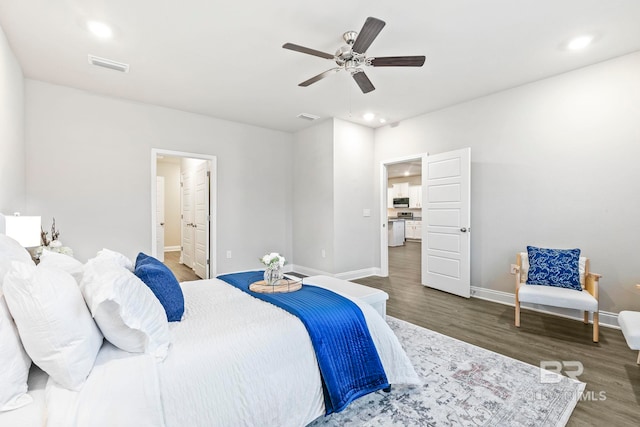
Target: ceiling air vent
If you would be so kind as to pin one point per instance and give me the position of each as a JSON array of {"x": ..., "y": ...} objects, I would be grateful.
[
  {"x": 307, "y": 116},
  {"x": 108, "y": 63}
]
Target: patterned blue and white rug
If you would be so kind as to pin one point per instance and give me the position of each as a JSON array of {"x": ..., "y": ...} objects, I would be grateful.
[{"x": 464, "y": 385}]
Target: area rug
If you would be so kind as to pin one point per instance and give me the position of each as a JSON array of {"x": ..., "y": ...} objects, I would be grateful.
[{"x": 464, "y": 385}]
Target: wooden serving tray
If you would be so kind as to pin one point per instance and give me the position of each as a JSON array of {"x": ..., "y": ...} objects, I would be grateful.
[{"x": 282, "y": 286}]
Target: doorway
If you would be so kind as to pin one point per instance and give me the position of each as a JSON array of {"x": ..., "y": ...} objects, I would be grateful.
[
  {"x": 183, "y": 215},
  {"x": 404, "y": 210},
  {"x": 444, "y": 197},
  {"x": 395, "y": 183}
]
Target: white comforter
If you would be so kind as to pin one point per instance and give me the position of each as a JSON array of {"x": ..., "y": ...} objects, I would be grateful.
[{"x": 234, "y": 361}]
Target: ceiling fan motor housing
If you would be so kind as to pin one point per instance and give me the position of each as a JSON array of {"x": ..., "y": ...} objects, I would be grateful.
[{"x": 346, "y": 57}]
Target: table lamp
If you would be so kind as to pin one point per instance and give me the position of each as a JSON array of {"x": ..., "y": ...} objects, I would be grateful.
[{"x": 24, "y": 229}]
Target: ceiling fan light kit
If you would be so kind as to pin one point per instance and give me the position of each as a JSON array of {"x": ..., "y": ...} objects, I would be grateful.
[{"x": 352, "y": 56}]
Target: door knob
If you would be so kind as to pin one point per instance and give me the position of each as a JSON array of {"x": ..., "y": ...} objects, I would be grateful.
[{"x": 464, "y": 230}]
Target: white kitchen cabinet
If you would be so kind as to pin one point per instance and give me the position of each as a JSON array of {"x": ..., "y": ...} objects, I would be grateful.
[
  {"x": 401, "y": 189},
  {"x": 415, "y": 196},
  {"x": 390, "y": 196},
  {"x": 413, "y": 230}
]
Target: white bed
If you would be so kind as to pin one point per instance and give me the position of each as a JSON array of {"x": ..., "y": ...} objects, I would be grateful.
[{"x": 233, "y": 360}]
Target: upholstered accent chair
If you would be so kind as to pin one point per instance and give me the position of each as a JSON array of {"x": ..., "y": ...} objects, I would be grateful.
[
  {"x": 629, "y": 322},
  {"x": 583, "y": 297}
]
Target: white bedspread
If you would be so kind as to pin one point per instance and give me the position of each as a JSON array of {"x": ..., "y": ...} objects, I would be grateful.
[
  {"x": 234, "y": 360},
  {"x": 121, "y": 390}
]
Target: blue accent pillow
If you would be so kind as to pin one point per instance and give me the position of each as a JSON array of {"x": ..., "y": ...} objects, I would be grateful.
[
  {"x": 554, "y": 267},
  {"x": 163, "y": 283}
]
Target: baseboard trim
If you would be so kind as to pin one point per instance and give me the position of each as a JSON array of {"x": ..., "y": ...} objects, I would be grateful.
[
  {"x": 172, "y": 248},
  {"x": 308, "y": 271},
  {"x": 607, "y": 319},
  {"x": 356, "y": 274}
]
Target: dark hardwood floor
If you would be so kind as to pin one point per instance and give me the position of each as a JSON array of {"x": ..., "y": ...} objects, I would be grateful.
[
  {"x": 182, "y": 272},
  {"x": 612, "y": 394}
]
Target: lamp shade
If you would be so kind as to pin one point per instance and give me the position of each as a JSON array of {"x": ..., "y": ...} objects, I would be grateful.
[{"x": 24, "y": 229}]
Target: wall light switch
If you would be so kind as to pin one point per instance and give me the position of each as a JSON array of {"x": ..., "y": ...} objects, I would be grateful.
[
  {"x": 228, "y": 254},
  {"x": 324, "y": 254},
  {"x": 366, "y": 212}
]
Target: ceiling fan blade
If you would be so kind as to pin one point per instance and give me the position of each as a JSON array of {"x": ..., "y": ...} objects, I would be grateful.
[
  {"x": 398, "y": 61},
  {"x": 319, "y": 77},
  {"x": 307, "y": 50},
  {"x": 363, "y": 81},
  {"x": 368, "y": 33}
]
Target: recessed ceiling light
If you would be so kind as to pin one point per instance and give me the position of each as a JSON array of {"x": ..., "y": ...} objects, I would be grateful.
[
  {"x": 100, "y": 29},
  {"x": 383, "y": 120},
  {"x": 579, "y": 42},
  {"x": 406, "y": 173},
  {"x": 368, "y": 116}
]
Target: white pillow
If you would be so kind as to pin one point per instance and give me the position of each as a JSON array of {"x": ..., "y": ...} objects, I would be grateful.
[
  {"x": 126, "y": 310},
  {"x": 11, "y": 250},
  {"x": 63, "y": 262},
  {"x": 55, "y": 325},
  {"x": 14, "y": 363},
  {"x": 117, "y": 257}
]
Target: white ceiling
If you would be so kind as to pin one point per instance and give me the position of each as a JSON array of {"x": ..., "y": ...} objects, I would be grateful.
[{"x": 225, "y": 59}]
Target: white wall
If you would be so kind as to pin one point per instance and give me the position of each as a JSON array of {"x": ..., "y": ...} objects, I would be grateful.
[
  {"x": 333, "y": 170},
  {"x": 171, "y": 173},
  {"x": 12, "y": 151},
  {"x": 353, "y": 188},
  {"x": 75, "y": 138},
  {"x": 553, "y": 163},
  {"x": 313, "y": 197}
]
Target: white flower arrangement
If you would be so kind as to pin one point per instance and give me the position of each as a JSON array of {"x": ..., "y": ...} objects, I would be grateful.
[
  {"x": 273, "y": 260},
  {"x": 52, "y": 244}
]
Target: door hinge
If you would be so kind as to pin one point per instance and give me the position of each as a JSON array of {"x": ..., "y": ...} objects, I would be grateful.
[
  {"x": 208, "y": 262},
  {"x": 182, "y": 248},
  {"x": 181, "y": 184},
  {"x": 208, "y": 174},
  {"x": 208, "y": 217}
]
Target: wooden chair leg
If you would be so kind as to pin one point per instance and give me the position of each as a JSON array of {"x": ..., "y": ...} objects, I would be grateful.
[
  {"x": 638, "y": 361},
  {"x": 596, "y": 327},
  {"x": 586, "y": 317},
  {"x": 517, "y": 313}
]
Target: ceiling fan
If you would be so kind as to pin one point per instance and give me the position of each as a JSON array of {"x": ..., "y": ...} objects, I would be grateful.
[{"x": 352, "y": 56}]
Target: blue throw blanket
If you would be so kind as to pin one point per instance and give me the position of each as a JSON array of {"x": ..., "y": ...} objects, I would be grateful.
[{"x": 349, "y": 363}]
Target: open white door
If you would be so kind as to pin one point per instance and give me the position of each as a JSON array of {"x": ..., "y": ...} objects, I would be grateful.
[
  {"x": 187, "y": 219},
  {"x": 160, "y": 218},
  {"x": 201, "y": 221},
  {"x": 446, "y": 182}
]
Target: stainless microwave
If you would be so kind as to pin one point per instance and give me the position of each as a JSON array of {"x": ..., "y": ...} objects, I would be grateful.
[{"x": 400, "y": 202}]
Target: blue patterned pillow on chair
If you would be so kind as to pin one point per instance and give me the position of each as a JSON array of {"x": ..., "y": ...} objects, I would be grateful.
[{"x": 554, "y": 267}]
